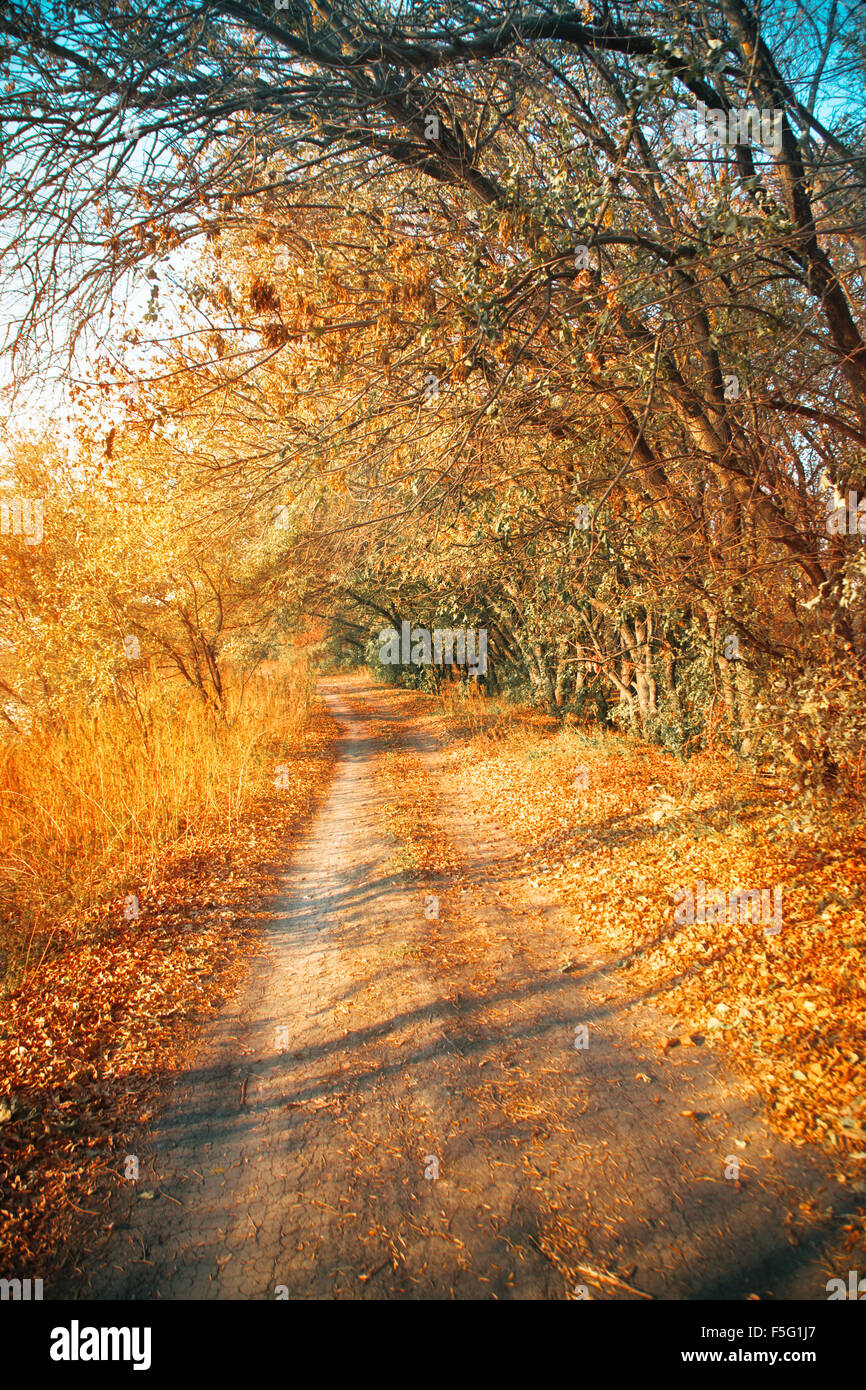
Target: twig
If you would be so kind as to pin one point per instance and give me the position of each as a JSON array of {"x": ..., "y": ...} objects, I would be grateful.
[{"x": 600, "y": 1278}]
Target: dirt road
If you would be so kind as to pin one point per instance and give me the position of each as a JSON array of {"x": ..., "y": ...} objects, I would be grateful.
[{"x": 397, "y": 1107}]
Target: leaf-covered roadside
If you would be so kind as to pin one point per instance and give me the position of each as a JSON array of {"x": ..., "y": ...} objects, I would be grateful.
[
  {"x": 616, "y": 828},
  {"x": 788, "y": 1013},
  {"x": 90, "y": 1041},
  {"x": 788, "y": 1009}
]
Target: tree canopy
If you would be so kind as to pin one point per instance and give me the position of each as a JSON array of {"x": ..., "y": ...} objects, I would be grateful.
[{"x": 536, "y": 317}]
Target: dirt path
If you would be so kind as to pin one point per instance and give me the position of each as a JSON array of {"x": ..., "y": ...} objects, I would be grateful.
[{"x": 375, "y": 1047}]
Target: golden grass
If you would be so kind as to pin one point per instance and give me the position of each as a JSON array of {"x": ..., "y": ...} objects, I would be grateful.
[{"x": 91, "y": 806}]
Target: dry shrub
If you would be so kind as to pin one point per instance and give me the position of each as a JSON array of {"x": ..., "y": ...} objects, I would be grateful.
[{"x": 814, "y": 720}]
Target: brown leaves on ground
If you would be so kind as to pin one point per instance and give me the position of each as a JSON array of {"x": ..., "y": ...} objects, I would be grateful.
[
  {"x": 617, "y": 829},
  {"x": 89, "y": 1041},
  {"x": 614, "y": 829},
  {"x": 410, "y": 816}
]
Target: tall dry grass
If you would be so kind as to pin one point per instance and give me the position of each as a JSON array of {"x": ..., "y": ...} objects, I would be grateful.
[{"x": 95, "y": 804}]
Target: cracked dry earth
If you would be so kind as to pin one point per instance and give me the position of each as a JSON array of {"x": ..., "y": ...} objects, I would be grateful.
[{"x": 304, "y": 1160}]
